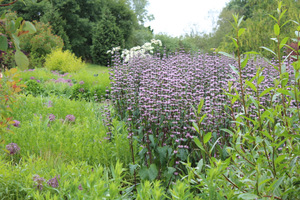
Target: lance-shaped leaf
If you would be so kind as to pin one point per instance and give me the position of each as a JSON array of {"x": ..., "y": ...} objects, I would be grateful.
[{"x": 3, "y": 43}]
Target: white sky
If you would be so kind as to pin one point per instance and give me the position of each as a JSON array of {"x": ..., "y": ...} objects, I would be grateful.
[{"x": 177, "y": 17}]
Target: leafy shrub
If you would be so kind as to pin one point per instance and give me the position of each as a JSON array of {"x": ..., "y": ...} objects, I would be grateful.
[
  {"x": 40, "y": 43},
  {"x": 34, "y": 88},
  {"x": 63, "y": 61}
]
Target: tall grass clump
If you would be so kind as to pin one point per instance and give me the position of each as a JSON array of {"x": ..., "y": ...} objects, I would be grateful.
[{"x": 68, "y": 129}]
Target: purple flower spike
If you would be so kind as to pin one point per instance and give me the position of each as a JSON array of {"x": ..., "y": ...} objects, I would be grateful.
[
  {"x": 13, "y": 148},
  {"x": 16, "y": 123},
  {"x": 54, "y": 182},
  {"x": 80, "y": 187},
  {"x": 70, "y": 118}
]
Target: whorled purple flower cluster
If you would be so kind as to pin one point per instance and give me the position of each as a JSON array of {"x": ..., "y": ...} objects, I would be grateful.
[
  {"x": 38, "y": 181},
  {"x": 13, "y": 148},
  {"x": 156, "y": 95},
  {"x": 53, "y": 182},
  {"x": 70, "y": 118}
]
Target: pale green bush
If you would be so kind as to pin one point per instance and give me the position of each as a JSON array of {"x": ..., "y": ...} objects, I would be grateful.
[{"x": 63, "y": 61}]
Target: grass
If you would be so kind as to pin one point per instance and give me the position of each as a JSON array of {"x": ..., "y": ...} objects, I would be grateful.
[{"x": 96, "y": 69}]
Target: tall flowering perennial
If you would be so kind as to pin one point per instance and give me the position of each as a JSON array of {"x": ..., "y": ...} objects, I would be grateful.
[{"x": 157, "y": 97}]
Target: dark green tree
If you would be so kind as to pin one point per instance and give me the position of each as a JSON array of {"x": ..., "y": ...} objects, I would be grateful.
[{"x": 106, "y": 35}]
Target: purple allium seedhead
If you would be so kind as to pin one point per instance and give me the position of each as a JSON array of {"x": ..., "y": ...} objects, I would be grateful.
[
  {"x": 32, "y": 78},
  {"x": 81, "y": 90},
  {"x": 38, "y": 81},
  {"x": 51, "y": 117},
  {"x": 16, "y": 123},
  {"x": 70, "y": 118},
  {"x": 81, "y": 82},
  {"x": 39, "y": 181},
  {"x": 54, "y": 182},
  {"x": 13, "y": 148}
]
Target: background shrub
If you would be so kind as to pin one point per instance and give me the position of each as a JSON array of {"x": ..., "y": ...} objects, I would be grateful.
[
  {"x": 40, "y": 43},
  {"x": 63, "y": 61}
]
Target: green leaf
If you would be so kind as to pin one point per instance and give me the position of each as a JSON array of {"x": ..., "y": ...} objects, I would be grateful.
[
  {"x": 267, "y": 135},
  {"x": 297, "y": 33},
  {"x": 273, "y": 17},
  {"x": 200, "y": 105},
  {"x": 280, "y": 158},
  {"x": 265, "y": 92},
  {"x": 283, "y": 42},
  {"x": 234, "y": 42},
  {"x": 202, "y": 118},
  {"x": 207, "y": 137},
  {"x": 276, "y": 29},
  {"x": 234, "y": 69},
  {"x": 29, "y": 27},
  {"x": 153, "y": 172},
  {"x": 21, "y": 60},
  {"x": 241, "y": 31},
  {"x": 251, "y": 85},
  {"x": 244, "y": 62},
  {"x": 3, "y": 43},
  {"x": 283, "y": 91},
  {"x": 265, "y": 48},
  {"x": 226, "y": 54},
  {"x": 240, "y": 21},
  {"x": 162, "y": 152},
  {"x": 281, "y": 15},
  {"x": 198, "y": 143},
  {"x": 144, "y": 173},
  {"x": 248, "y": 196},
  {"x": 196, "y": 127},
  {"x": 16, "y": 41},
  {"x": 213, "y": 146},
  {"x": 260, "y": 79},
  {"x": 228, "y": 131},
  {"x": 132, "y": 168},
  {"x": 254, "y": 101},
  {"x": 18, "y": 22},
  {"x": 277, "y": 183}
]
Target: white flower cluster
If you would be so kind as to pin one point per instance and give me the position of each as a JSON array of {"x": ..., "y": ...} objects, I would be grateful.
[
  {"x": 143, "y": 51},
  {"x": 113, "y": 50}
]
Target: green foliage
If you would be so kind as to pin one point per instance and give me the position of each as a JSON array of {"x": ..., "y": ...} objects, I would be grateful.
[
  {"x": 63, "y": 61},
  {"x": 9, "y": 89},
  {"x": 106, "y": 35},
  {"x": 263, "y": 155},
  {"x": 40, "y": 44},
  {"x": 256, "y": 22},
  {"x": 74, "y": 20},
  {"x": 12, "y": 27},
  {"x": 34, "y": 88}
]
